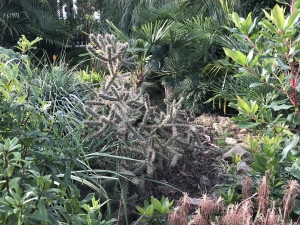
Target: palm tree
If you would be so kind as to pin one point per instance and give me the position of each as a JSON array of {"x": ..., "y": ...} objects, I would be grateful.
[
  {"x": 189, "y": 29},
  {"x": 32, "y": 18}
]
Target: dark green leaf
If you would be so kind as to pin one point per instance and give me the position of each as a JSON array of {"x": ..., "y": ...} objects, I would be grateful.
[
  {"x": 291, "y": 143},
  {"x": 247, "y": 125},
  {"x": 38, "y": 217},
  {"x": 67, "y": 175}
]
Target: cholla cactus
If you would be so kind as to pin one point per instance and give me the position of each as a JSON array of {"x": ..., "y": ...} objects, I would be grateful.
[{"x": 118, "y": 107}]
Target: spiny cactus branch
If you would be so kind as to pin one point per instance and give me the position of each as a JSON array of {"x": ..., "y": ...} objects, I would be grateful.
[{"x": 161, "y": 137}]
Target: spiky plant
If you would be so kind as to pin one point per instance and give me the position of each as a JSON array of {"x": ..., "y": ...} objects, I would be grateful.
[
  {"x": 210, "y": 211},
  {"x": 160, "y": 138}
]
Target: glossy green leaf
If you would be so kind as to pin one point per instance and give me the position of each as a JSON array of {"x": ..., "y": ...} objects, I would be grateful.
[
  {"x": 140, "y": 210},
  {"x": 292, "y": 19},
  {"x": 236, "y": 19},
  {"x": 10, "y": 200},
  {"x": 276, "y": 107},
  {"x": 254, "y": 62},
  {"x": 254, "y": 108},
  {"x": 157, "y": 205},
  {"x": 150, "y": 210},
  {"x": 292, "y": 142},
  {"x": 282, "y": 2},
  {"x": 278, "y": 16},
  {"x": 241, "y": 58},
  {"x": 243, "y": 105},
  {"x": 260, "y": 46},
  {"x": 293, "y": 118},
  {"x": 247, "y": 125},
  {"x": 42, "y": 209},
  {"x": 229, "y": 53},
  {"x": 5, "y": 208},
  {"x": 16, "y": 197},
  {"x": 255, "y": 84},
  {"x": 38, "y": 217},
  {"x": 9, "y": 170},
  {"x": 290, "y": 34},
  {"x": 295, "y": 172},
  {"x": 269, "y": 25},
  {"x": 250, "y": 55},
  {"x": 67, "y": 175},
  {"x": 246, "y": 25},
  {"x": 258, "y": 167}
]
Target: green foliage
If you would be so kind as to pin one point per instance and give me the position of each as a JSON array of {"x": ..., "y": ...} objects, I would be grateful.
[
  {"x": 232, "y": 195},
  {"x": 255, "y": 7},
  {"x": 61, "y": 89},
  {"x": 8, "y": 54},
  {"x": 91, "y": 77},
  {"x": 272, "y": 61},
  {"x": 190, "y": 31},
  {"x": 153, "y": 213},
  {"x": 123, "y": 13},
  {"x": 195, "y": 92},
  {"x": 176, "y": 41},
  {"x": 39, "y": 154},
  {"x": 31, "y": 18},
  {"x": 29, "y": 197}
]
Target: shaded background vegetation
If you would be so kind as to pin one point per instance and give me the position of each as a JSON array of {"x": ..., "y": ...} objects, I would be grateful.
[{"x": 175, "y": 49}]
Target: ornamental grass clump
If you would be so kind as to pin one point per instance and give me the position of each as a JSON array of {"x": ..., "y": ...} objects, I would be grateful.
[{"x": 254, "y": 209}]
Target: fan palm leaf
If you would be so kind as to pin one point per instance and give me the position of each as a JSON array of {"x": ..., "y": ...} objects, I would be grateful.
[
  {"x": 215, "y": 9},
  {"x": 31, "y": 18},
  {"x": 155, "y": 33}
]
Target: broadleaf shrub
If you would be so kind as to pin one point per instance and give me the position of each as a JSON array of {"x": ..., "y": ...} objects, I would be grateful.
[
  {"x": 38, "y": 154},
  {"x": 273, "y": 62}
]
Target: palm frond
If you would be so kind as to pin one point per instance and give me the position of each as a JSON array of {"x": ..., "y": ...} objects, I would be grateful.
[
  {"x": 215, "y": 9},
  {"x": 233, "y": 43},
  {"x": 163, "y": 11},
  {"x": 31, "y": 18},
  {"x": 155, "y": 33}
]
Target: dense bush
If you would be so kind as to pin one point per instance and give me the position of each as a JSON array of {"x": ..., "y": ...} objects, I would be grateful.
[
  {"x": 268, "y": 70},
  {"x": 39, "y": 152}
]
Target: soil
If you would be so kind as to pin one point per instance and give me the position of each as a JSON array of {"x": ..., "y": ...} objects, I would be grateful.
[{"x": 196, "y": 174}]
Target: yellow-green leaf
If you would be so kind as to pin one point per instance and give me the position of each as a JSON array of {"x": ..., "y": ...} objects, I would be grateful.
[
  {"x": 254, "y": 62},
  {"x": 241, "y": 58},
  {"x": 149, "y": 211},
  {"x": 157, "y": 205},
  {"x": 140, "y": 210},
  {"x": 254, "y": 108},
  {"x": 269, "y": 26},
  {"x": 5, "y": 93},
  {"x": 278, "y": 16},
  {"x": 243, "y": 105},
  {"x": 236, "y": 19},
  {"x": 230, "y": 53},
  {"x": 267, "y": 14},
  {"x": 246, "y": 25},
  {"x": 292, "y": 19},
  {"x": 290, "y": 33}
]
